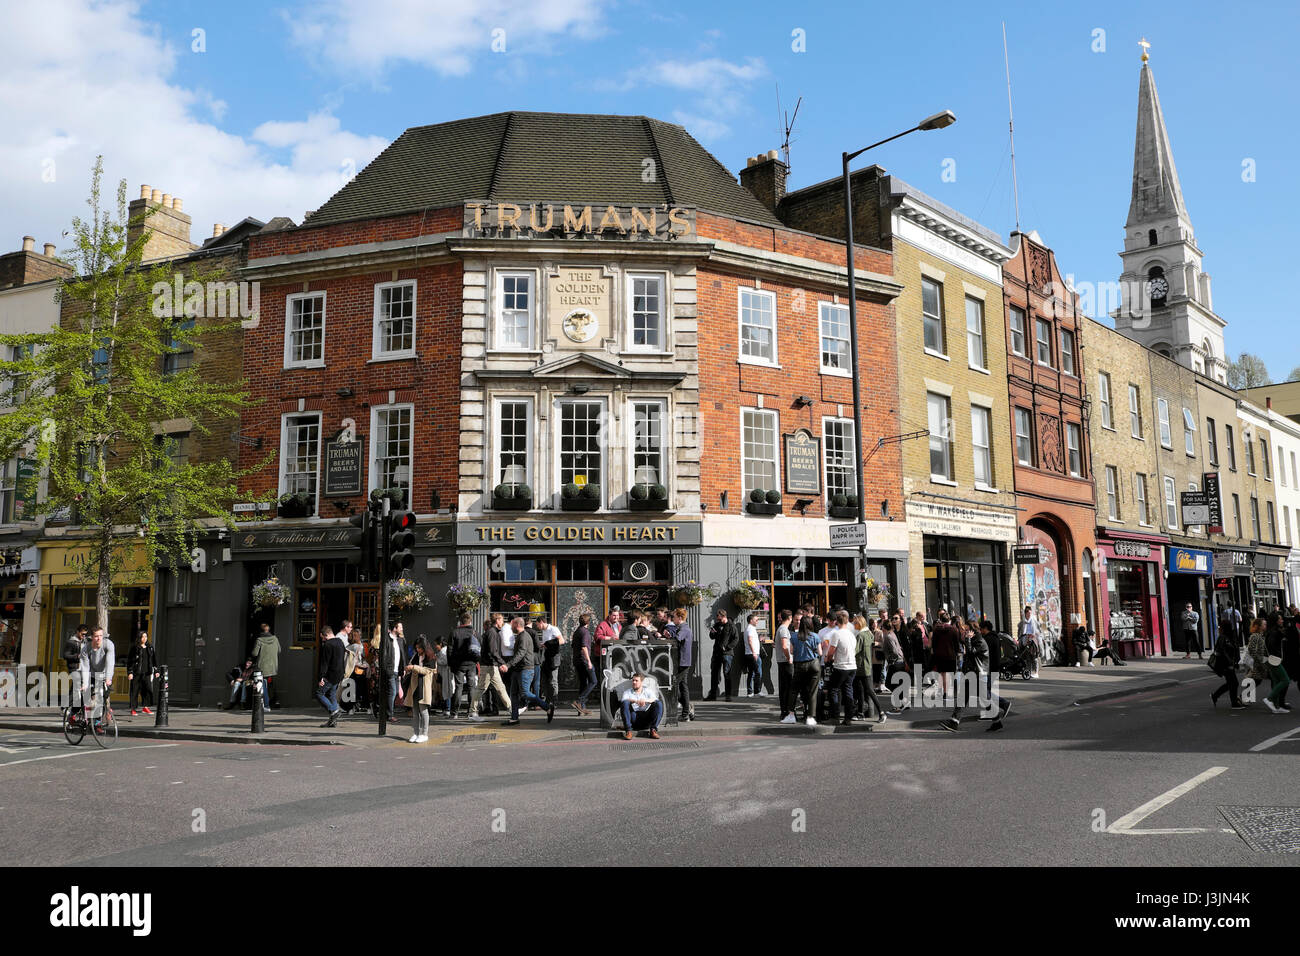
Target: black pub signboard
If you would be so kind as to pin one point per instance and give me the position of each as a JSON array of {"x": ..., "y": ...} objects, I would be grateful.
[
  {"x": 343, "y": 468},
  {"x": 803, "y": 463}
]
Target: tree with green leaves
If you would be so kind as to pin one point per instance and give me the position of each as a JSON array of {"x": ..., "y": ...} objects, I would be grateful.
[
  {"x": 1295, "y": 375},
  {"x": 1247, "y": 370},
  {"x": 98, "y": 388}
]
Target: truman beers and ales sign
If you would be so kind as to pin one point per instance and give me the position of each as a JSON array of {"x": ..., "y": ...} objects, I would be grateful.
[
  {"x": 803, "y": 463},
  {"x": 343, "y": 468},
  {"x": 508, "y": 219}
]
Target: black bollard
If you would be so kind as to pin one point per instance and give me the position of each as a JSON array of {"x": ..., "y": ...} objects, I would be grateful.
[
  {"x": 164, "y": 694},
  {"x": 383, "y": 704},
  {"x": 259, "y": 710}
]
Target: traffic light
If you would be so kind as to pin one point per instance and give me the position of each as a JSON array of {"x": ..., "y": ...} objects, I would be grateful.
[
  {"x": 401, "y": 539},
  {"x": 362, "y": 538}
]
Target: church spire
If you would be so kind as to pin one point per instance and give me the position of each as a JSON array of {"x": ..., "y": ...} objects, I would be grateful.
[{"x": 1156, "y": 191}]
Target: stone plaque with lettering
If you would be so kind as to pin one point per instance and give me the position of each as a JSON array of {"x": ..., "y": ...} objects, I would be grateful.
[{"x": 579, "y": 306}]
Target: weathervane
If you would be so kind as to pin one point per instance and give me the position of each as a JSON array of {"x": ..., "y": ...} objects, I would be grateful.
[{"x": 1145, "y": 48}]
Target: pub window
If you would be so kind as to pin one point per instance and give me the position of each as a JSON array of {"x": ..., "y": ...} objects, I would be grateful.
[
  {"x": 834, "y": 320},
  {"x": 646, "y": 298},
  {"x": 513, "y": 464},
  {"x": 514, "y": 310},
  {"x": 981, "y": 431},
  {"x": 582, "y": 570},
  {"x": 649, "y": 466},
  {"x": 582, "y": 456},
  {"x": 304, "y": 330},
  {"x": 758, "y": 451},
  {"x": 837, "y": 438},
  {"x": 757, "y": 326},
  {"x": 932, "y": 315},
  {"x": 394, "y": 325},
  {"x": 390, "y": 449},
  {"x": 520, "y": 569},
  {"x": 939, "y": 414},
  {"x": 1018, "y": 342},
  {"x": 300, "y": 455}
]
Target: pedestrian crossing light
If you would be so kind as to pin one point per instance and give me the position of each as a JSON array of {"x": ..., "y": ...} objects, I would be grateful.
[{"x": 401, "y": 528}]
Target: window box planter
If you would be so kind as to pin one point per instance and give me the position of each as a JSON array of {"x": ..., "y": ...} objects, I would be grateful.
[
  {"x": 294, "y": 506},
  {"x": 842, "y": 511},
  {"x": 580, "y": 498},
  {"x": 645, "y": 497},
  {"x": 763, "y": 508},
  {"x": 512, "y": 498},
  {"x": 646, "y": 504}
]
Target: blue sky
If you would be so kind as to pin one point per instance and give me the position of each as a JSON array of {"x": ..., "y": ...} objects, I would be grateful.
[{"x": 284, "y": 101}]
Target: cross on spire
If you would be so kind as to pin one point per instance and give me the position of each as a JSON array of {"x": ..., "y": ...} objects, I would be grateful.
[{"x": 1146, "y": 49}]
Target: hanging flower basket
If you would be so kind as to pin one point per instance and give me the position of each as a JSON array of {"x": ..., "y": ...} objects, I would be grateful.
[
  {"x": 270, "y": 593},
  {"x": 749, "y": 595},
  {"x": 691, "y": 594},
  {"x": 877, "y": 591},
  {"x": 466, "y": 598},
  {"x": 407, "y": 595}
]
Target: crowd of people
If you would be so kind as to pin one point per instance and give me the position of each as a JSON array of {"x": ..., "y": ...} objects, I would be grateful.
[{"x": 1266, "y": 647}]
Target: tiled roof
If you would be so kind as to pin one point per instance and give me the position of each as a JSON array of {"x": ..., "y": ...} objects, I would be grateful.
[{"x": 546, "y": 157}]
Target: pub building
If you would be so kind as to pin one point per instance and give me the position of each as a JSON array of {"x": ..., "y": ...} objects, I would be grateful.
[{"x": 1132, "y": 598}]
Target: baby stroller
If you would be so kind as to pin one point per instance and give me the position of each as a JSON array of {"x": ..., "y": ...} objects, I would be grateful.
[{"x": 1017, "y": 661}]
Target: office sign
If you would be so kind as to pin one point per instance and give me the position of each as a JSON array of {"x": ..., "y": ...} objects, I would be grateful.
[
  {"x": 343, "y": 468},
  {"x": 803, "y": 463},
  {"x": 1210, "y": 488},
  {"x": 1028, "y": 554}
]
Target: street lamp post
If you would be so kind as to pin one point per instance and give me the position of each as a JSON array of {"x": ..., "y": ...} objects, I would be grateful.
[{"x": 937, "y": 121}]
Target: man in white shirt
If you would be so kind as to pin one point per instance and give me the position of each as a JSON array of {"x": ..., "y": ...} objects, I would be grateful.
[
  {"x": 551, "y": 639},
  {"x": 840, "y": 648},
  {"x": 641, "y": 709},
  {"x": 98, "y": 658},
  {"x": 753, "y": 662}
]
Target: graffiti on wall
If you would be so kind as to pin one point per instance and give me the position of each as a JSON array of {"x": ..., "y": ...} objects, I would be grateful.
[
  {"x": 624, "y": 660},
  {"x": 1040, "y": 586}
]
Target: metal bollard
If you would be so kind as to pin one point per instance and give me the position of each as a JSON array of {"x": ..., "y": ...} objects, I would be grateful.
[
  {"x": 259, "y": 709},
  {"x": 164, "y": 694}
]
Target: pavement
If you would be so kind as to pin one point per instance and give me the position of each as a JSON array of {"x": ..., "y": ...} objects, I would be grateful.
[{"x": 1056, "y": 689}]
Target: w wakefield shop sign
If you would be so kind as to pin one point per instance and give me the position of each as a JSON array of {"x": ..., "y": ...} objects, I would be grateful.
[{"x": 1189, "y": 561}]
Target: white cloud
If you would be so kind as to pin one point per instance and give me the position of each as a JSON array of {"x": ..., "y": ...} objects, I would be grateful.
[
  {"x": 448, "y": 36},
  {"x": 81, "y": 80},
  {"x": 718, "y": 89}
]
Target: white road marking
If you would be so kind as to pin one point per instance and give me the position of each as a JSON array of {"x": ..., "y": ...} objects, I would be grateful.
[
  {"x": 1274, "y": 740},
  {"x": 1125, "y": 824},
  {"x": 273, "y": 771},
  {"x": 14, "y": 763},
  {"x": 175, "y": 782}
]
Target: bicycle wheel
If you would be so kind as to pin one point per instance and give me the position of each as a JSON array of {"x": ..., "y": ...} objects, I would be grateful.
[
  {"x": 73, "y": 728},
  {"x": 105, "y": 729}
]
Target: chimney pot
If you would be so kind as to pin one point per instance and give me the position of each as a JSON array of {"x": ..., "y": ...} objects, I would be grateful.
[
  {"x": 177, "y": 204},
  {"x": 144, "y": 191},
  {"x": 49, "y": 250},
  {"x": 750, "y": 162},
  {"x": 167, "y": 200},
  {"x": 155, "y": 195},
  {"x": 29, "y": 243},
  {"x": 772, "y": 154},
  {"x": 217, "y": 229}
]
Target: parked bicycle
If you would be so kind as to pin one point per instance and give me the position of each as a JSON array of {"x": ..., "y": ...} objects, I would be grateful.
[{"x": 77, "y": 723}]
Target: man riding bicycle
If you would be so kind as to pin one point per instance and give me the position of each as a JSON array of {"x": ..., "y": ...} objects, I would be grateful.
[{"x": 98, "y": 658}]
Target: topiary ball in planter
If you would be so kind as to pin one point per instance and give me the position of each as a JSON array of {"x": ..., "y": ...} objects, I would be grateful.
[
  {"x": 523, "y": 492},
  {"x": 758, "y": 496},
  {"x": 839, "y": 501},
  {"x": 590, "y": 490},
  {"x": 640, "y": 492},
  {"x": 504, "y": 492},
  {"x": 851, "y": 501},
  {"x": 571, "y": 490},
  {"x": 658, "y": 492},
  {"x": 774, "y": 497}
]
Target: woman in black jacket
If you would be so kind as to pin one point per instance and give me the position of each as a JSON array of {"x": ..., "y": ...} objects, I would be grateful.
[
  {"x": 1226, "y": 657},
  {"x": 140, "y": 662},
  {"x": 1277, "y": 674}
]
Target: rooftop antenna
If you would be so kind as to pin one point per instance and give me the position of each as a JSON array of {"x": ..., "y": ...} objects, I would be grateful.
[
  {"x": 787, "y": 122},
  {"x": 1011, "y": 126}
]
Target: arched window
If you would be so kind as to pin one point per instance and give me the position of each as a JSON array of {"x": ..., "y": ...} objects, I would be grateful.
[{"x": 1151, "y": 237}]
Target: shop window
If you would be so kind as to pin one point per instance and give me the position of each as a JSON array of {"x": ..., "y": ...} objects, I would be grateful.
[
  {"x": 394, "y": 322},
  {"x": 304, "y": 330}
]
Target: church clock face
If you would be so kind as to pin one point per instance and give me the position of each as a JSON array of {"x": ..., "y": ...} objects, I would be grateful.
[{"x": 1158, "y": 289}]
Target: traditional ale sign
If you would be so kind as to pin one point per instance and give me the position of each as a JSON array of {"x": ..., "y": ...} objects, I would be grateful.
[
  {"x": 343, "y": 468},
  {"x": 803, "y": 463},
  {"x": 506, "y": 220}
]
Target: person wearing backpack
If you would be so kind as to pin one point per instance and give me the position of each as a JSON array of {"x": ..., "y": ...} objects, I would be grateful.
[{"x": 463, "y": 657}]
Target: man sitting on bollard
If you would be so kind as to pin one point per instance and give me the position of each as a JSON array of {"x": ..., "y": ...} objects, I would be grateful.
[{"x": 641, "y": 709}]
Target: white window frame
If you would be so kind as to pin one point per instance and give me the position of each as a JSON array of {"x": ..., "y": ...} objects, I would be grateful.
[
  {"x": 1135, "y": 411},
  {"x": 557, "y": 439},
  {"x": 665, "y": 440},
  {"x": 376, "y": 338},
  {"x": 1039, "y": 342},
  {"x": 1212, "y": 441},
  {"x": 1140, "y": 497},
  {"x": 1028, "y": 436},
  {"x": 1067, "y": 353},
  {"x": 1112, "y": 493},
  {"x": 495, "y": 471},
  {"x": 1166, "y": 432},
  {"x": 741, "y": 325},
  {"x": 1230, "y": 444},
  {"x": 1267, "y": 459},
  {"x": 1271, "y": 513},
  {"x": 942, "y": 350},
  {"x": 1023, "y": 331},
  {"x": 776, "y": 447},
  {"x": 850, "y": 452},
  {"x": 289, "y": 361},
  {"x": 1281, "y": 470},
  {"x": 986, "y": 449},
  {"x": 372, "y": 480},
  {"x": 822, "y": 309},
  {"x": 1286, "y": 522},
  {"x": 1103, "y": 389},
  {"x": 498, "y": 308},
  {"x": 945, "y": 435},
  {"x": 8, "y": 490},
  {"x": 1189, "y": 432},
  {"x": 1074, "y": 448},
  {"x": 1236, "y": 513},
  {"x": 630, "y": 329},
  {"x": 284, "y": 452},
  {"x": 1171, "y": 504},
  {"x": 976, "y": 337}
]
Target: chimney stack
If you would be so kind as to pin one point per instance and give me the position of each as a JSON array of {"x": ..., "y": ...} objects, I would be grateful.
[
  {"x": 217, "y": 229},
  {"x": 26, "y": 266},
  {"x": 764, "y": 176},
  {"x": 49, "y": 250},
  {"x": 29, "y": 243},
  {"x": 1268, "y": 402},
  {"x": 168, "y": 226}
]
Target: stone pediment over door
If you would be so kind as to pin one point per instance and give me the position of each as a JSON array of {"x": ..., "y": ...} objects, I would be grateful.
[{"x": 583, "y": 367}]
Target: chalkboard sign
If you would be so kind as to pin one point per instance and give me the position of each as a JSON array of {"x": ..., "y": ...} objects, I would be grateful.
[
  {"x": 343, "y": 468},
  {"x": 803, "y": 463}
]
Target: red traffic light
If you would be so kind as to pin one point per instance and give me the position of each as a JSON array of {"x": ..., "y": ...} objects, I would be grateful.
[{"x": 403, "y": 521}]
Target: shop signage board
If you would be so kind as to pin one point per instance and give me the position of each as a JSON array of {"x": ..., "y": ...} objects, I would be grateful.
[
  {"x": 1132, "y": 549},
  {"x": 532, "y": 219},
  {"x": 803, "y": 463},
  {"x": 1190, "y": 561},
  {"x": 1210, "y": 488},
  {"x": 342, "y": 468},
  {"x": 1269, "y": 580},
  {"x": 598, "y": 533},
  {"x": 961, "y": 521}
]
